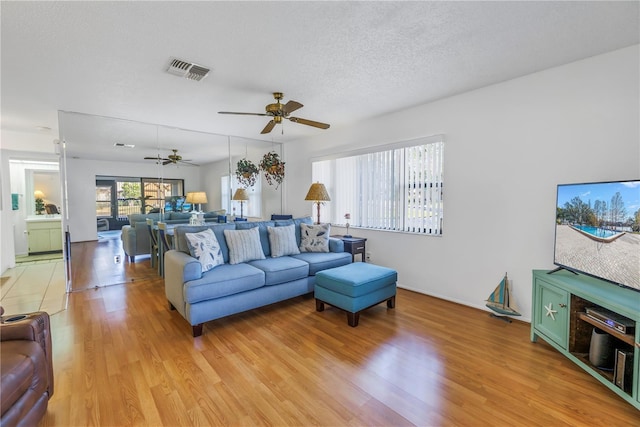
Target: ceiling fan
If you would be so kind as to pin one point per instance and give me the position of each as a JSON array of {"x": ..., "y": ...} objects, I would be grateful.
[
  {"x": 174, "y": 158},
  {"x": 279, "y": 111}
]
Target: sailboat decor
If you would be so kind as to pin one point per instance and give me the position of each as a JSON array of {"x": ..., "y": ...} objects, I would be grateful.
[{"x": 498, "y": 301}]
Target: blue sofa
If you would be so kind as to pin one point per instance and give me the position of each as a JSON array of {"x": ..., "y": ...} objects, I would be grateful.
[
  {"x": 135, "y": 236},
  {"x": 233, "y": 288}
]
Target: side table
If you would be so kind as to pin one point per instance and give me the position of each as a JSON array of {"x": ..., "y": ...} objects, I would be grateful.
[{"x": 354, "y": 245}]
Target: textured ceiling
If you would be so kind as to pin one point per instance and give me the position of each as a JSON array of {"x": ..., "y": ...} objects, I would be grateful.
[{"x": 345, "y": 61}]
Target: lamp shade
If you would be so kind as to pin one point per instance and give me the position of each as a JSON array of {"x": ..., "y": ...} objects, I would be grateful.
[
  {"x": 38, "y": 194},
  {"x": 240, "y": 194},
  {"x": 318, "y": 193},
  {"x": 197, "y": 197}
]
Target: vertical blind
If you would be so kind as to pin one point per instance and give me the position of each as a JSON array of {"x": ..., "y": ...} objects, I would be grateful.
[{"x": 397, "y": 188}]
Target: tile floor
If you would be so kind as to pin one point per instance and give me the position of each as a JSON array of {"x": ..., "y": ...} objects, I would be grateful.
[{"x": 34, "y": 286}]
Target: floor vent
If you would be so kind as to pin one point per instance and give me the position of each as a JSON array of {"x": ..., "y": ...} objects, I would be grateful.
[{"x": 188, "y": 70}]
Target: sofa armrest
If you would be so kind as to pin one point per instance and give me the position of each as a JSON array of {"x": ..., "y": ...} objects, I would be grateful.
[
  {"x": 33, "y": 327},
  {"x": 128, "y": 237},
  {"x": 336, "y": 245},
  {"x": 178, "y": 269},
  {"x": 143, "y": 240}
]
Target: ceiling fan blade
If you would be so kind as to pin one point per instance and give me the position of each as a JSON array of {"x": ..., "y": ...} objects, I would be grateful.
[
  {"x": 187, "y": 162},
  {"x": 153, "y": 158},
  {"x": 292, "y": 106},
  {"x": 166, "y": 162},
  {"x": 309, "y": 122},
  {"x": 243, "y": 114},
  {"x": 269, "y": 127}
]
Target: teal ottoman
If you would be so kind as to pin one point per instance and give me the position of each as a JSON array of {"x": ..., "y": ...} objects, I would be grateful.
[{"x": 355, "y": 287}]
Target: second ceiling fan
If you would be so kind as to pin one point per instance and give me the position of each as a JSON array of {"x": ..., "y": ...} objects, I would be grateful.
[
  {"x": 281, "y": 111},
  {"x": 174, "y": 158}
]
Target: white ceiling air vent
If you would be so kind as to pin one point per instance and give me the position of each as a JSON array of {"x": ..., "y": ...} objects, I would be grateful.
[
  {"x": 122, "y": 145},
  {"x": 188, "y": 70}
]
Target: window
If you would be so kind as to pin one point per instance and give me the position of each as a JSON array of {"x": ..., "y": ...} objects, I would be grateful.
[
  {"x": 155, "y": 192},
  {"x": 397, "y": 187},
  {"x": 117, "y": 197}
]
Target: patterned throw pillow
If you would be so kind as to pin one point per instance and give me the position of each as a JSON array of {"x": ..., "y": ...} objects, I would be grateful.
[
  {"x": 244, "y": 245},
  {"x": 204, "y": 247},
  {"x": 314, "y": 238},
  {"x": 283, "y": 240}
]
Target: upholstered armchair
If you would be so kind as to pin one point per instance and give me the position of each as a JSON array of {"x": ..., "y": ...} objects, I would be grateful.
[{"x": 26, "y": 367}]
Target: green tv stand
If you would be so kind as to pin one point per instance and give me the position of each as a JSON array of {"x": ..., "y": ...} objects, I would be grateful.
[{"x": 560, "y": 300}]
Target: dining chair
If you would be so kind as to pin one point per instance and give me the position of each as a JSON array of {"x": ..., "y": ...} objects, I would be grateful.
[
  {"x": 153, "y": 240},
  {"x": 166, "y": 243}
]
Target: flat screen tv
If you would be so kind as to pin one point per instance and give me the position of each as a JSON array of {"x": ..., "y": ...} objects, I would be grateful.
[{"x": 598, "y": 230}]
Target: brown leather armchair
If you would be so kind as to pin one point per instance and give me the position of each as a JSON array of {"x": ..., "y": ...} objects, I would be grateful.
[{"x": 26, "y": 367}]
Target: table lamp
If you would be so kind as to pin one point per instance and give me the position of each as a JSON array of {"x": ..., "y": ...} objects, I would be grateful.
[
  {"x": 241, "y": 196},
  {"x": 318, "y": 194},
  {"x": 196, "y": 197},
  {"x": 347, "y": 216}
]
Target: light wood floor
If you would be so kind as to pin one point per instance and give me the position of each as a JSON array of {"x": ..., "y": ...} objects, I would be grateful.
[{"x": 122, "y": 358}]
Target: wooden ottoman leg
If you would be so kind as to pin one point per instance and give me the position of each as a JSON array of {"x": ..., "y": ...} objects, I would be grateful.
[
  {"x": 319, "y": 305},
  {"x": 391, "y": 302},
  {"x": 353, "y": 318}
]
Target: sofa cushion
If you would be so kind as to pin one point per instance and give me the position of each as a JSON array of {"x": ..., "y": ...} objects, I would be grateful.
[
  {"x": 133, "y": 218},
  {"x": 296, "y": 222},
  {"x": 262, "y": 229},
  {"x": 314, "y": 238},
  {"x": 24, "y": 377},
  {"x": 17, "y": 372},
  {"x": 244, "y": 245},
  {"x": 283, "y": 241},
  {"x": 282, "y": 269},
  {"x": 215, "y": 214},
  {"x": 204, "y": 247},
  {"x": 321, "y": 261},
  {"x": 178, "y": 215},
  {"x": 223, "y": 280},
  {"x": 180, "y": 242}
]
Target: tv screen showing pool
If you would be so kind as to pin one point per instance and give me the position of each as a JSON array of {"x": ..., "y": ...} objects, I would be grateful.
[{"x": 598, "y": 230}]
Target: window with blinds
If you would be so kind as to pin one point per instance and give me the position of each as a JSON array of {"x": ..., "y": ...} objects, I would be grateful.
[{"x": 396, "y": 187}]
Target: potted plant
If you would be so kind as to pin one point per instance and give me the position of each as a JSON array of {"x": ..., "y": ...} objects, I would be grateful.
[
  {"x": 39, "y": 206},
  {"x": 273, "y": 168},
  {"x": 246, "y": 172}
]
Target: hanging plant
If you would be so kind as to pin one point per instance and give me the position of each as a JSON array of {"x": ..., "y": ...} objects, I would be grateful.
[
  {"x": 273, "y": 168},
  {"x": 247, "y": 172}
]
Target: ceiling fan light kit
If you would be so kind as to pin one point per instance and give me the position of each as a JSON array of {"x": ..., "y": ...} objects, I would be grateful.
[{"x": 279, "y": 111}]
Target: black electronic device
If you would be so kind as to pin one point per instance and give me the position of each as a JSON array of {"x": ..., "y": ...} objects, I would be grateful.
[
  {"x": 611, "y": 319},
  {"x": 623, "y": 371}
]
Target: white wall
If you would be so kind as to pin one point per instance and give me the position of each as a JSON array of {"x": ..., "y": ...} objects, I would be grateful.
[
  {"x": 82, "y": 191},
  {"x": 211, "y": 177},
  {"x": 507, "y": 147}
]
